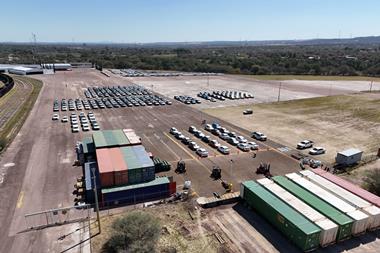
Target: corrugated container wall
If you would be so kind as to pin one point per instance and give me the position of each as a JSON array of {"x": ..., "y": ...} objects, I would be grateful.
[
  {"x": 370, "y": 197},
  {"x": 119, "y": 166},
  {"x": 372, "y": 211},
  {"x": 360, "y": 219},
  {"x": 329, "y": 229},
  {"x": 89, "y": 178},
  {"x": 296, "y": 227},
  {"x": 344, "y": 222},
  {"x": 106, "y": 170}
]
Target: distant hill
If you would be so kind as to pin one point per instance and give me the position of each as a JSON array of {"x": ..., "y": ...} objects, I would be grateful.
[{"x": 369, "y": 40}]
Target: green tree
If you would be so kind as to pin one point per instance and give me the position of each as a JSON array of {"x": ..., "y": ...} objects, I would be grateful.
[
  {"x": 372, "y": 181},
  {"x": 136, "y": 232}
]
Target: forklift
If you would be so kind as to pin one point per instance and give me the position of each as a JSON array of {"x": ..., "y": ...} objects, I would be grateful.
[
  {"x": 216, "y": 173},
  {"x": 181, "y": 167}
]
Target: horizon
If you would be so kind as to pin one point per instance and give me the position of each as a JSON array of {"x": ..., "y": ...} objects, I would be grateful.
[{"x": 164, "y": 21}]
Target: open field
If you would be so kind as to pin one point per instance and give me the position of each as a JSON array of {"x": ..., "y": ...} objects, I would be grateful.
[
  {"x": 336, "y": 122},
  {"x": 264, "y": 91},
  {"x": 315, "y": 78},
  {"x": 39, "y": 175}
]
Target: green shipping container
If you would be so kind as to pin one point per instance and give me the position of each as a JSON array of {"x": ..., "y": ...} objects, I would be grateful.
[
  {"x": 292, "y": 224},
  {"x": 342, "y": 220},
  {"x": 110, "y": 138}
]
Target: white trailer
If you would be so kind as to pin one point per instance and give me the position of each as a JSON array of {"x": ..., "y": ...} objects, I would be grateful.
[
  {"x": 372, "y": 211},
  {"x": 360, "y": 219},
  {"x": 329, "y": 229}
]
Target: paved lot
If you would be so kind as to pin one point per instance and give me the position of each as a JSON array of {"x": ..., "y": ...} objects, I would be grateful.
[
  {"x": 264, "y": 91},
  {"x": 40, "y": 174}
]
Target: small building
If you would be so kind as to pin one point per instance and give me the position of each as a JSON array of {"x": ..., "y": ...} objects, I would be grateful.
[
  {"x": 57, "y": 66},
  {"x": 20, "y": 70},
  {"x": 349, "y": 157}
]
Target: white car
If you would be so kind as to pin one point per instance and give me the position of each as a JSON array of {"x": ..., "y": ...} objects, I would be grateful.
[
  {"x": 224, "y": 136},
  {"x": 224, "y": 150},
  {"x": 305, "y": 144},
  {"x": 202, "y": 152},
  {"x": 233, "y": 141},
  {"x": 259, "y": 136},
  {"x": 241, "y": 139},
  {"x": 193, "y": 145},
  {"x": 317, "y": 151},
  {"x": 95, "y": 126},
  {"x": 253, "y": 145},
  {"x": 208, "y": 127},
  {"x": 75, "y": 129},
  {"x": 214, "y": 143},
  {"x": 85, "y": 127},
  {"x": 244, "y": 147},
  {"x": 64, "y": 119},
  {"x": 173, "y": 130},
  {"x": 55, "y": 117}
]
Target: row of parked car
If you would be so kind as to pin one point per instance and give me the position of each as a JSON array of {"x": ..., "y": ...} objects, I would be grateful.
[
  {"x": 222, "y": 95},
  {"x": 231, "y": 137},
  {"x": 116, "y": 91},
  {"x": 187, "y": 100},
  {"x": 84, "y": 122},
  {"x": 202, "y": 152}
]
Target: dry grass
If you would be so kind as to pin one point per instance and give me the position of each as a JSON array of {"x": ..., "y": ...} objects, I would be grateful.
[
  {"x": 315, "y": 78},
  {"x": 179, "y": 231},
  {"x": 336, "y": 123}
]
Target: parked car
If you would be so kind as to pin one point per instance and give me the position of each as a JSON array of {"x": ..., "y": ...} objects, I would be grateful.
[
  {"x": 193, "y": 146},
  {"x": 75, "y": 129},
  {"x": 192, "y": 129},
  {"x": 173, "y": 130},
  {"x": 317, "y": 151},
  {"x": 202, "y": 152},
  {"x": 305, "y": 144},
  {"x": 64, "y": 119},
  {"x": 206, "y": 139},
  {"x": 233, "y": 141},
  {"x": 253, "y": 145},
  {"x": 55, "y": 116},
  {"x": 225, "y": 136},
  {"x": 244, "y": 147},
  {"x": 259, "y": 136},
  {"x": 95, "y": 126},
  {"x": 248, "y": 111},
  {"x": 241, "y": 139},
  {"x": 214, "y": 143},
  {"x": 224, "y": 150},
  {"x": 208, "y": 127}
]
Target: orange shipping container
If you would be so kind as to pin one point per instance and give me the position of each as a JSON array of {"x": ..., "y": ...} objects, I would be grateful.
[
  {"x": 119, "y": 166},
  {"x": 106, "y": 171}
]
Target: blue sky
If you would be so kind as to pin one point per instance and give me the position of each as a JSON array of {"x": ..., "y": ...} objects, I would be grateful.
[{"x": 191, "y": 20}]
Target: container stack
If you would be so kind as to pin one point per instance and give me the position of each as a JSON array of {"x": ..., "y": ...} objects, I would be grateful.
[
  {"x": 337, "y": 208},
  {"x": 125, "y": 170}
]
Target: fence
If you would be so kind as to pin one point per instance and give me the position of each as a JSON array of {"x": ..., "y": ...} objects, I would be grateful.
[{"x": 8, "y": 84}]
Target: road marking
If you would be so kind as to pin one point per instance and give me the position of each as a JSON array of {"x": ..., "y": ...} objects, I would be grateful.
[
  {"x": 166, "y": 145},
  {"x": 20, "y": 199}
]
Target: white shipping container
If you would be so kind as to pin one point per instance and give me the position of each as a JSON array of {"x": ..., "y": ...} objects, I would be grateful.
[
  {"x": 329, "y": 229},
  {"x": 372, "y": 211},
  {"x": 360, "y": 219}
]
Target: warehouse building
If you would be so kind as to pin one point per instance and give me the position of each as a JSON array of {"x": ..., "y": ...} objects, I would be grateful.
[
  {"x": 57, "y": 66},
  {"x": 20, "y": 70},
  {"x": 125, "y": 172}
]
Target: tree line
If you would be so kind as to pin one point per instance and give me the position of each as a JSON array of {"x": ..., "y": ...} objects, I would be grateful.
[{"x": 343, "y": 60}]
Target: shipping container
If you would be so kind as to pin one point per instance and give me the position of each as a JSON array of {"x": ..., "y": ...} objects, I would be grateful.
[
  {"x": 132, "y": 194},
  {"x": 370, "y": 197},
  {"x": 172, "y": 188},
  {"x": 292, "y": 224},
  {"x": 132, "y": 137},
  {"x": 119, "y": 166},
  {"x": 140, "y": 166},
  {"x": 106, "y": 170},
  {"x": 91, "y": 175},
  {"x": 110, "y": 138},
  {"x": 360, "y": 219},
  {"x": 329, "y": 229},
  {"x": 343, "y": 221},
  {"x": 372, "y": 211}
]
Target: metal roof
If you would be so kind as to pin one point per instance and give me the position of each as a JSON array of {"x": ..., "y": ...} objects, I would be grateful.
[
  {"x": 110, "y": 138},
  {"x": 350, "y": 152},
  {"x": 157, "y": 181}
]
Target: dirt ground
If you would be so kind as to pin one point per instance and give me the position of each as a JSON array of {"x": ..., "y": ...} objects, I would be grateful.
[{"x": 335, "y": 122}]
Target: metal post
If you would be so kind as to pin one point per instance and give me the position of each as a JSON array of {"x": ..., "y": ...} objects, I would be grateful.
[
  {"x": 96, "y": 200},
  {"x": 279, "y": 92},
  {"x": 231, "y": 161},
  {"x": 370, "y": 86}
]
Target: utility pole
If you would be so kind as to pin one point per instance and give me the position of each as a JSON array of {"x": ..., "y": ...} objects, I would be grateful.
[
  {"x": 96, "y": 200},
  {"x": 279, "y": 92}
]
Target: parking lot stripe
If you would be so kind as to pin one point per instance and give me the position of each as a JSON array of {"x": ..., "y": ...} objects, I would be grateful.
[
  {"x": 20, "y": 199},
  {"x": 166, "y": 145}
]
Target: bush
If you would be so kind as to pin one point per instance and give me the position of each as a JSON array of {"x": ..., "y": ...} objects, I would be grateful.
[
  {"x": 372, "y": 181},
  {"x": 135, "y": 232}
]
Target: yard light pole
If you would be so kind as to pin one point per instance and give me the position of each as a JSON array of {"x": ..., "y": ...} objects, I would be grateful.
[
  {"x": 231, "y": 162},
  {"x": 96, "y": 200},
  {"x": 279, "y": 92}
]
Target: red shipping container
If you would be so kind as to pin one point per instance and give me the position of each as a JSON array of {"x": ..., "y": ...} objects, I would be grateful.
[
  {"x": 372, "y": 198},
  {"x": 119, "y": 166},
  {"x": 172, "y": 188}
]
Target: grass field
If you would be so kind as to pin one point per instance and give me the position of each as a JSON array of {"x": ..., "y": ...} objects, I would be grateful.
[
  {"x": 315, "y": 78},
  {"x": 336, "y": 122},
  {"x": 179, "y": 231},
  {"x": 14, "y": 124}
]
